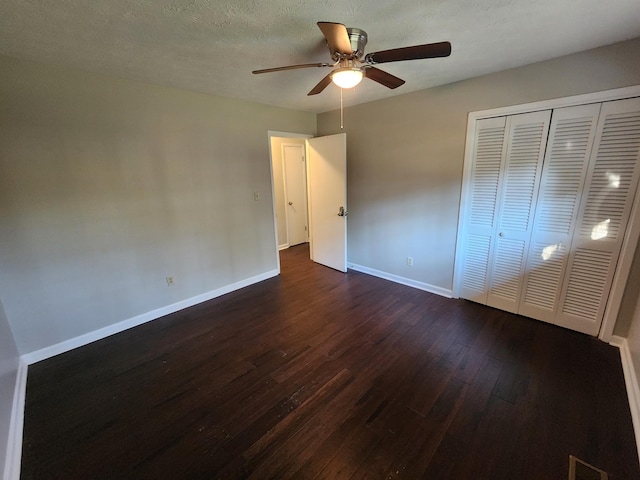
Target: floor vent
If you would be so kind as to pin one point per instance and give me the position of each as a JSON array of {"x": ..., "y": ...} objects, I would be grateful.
[{"x": 579, "y": 470}]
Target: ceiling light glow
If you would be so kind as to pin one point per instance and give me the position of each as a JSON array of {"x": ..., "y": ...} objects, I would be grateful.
[{"x": 347, "y": 77}]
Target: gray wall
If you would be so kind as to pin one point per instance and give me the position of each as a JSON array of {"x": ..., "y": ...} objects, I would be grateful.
[
  {"x": 8, "y": 370},
  {"x": 405, "y": 155},
  {"x": 107, "y": 186},
  {"x": 628, "y": 305},
  {"x": 633, "y": 337}
]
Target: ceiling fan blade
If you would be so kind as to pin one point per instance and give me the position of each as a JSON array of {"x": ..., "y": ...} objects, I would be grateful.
[
  {"x": 383, "y": 78},
  {"x": 324, "y": 83},
  {"x": 337, "y": 37},
  {"x": 293, "y": 67},
  {"x": 417, "y": 52}
]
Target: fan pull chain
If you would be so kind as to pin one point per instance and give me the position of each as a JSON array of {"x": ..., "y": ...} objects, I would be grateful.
[{"x": 341, "y": 112}]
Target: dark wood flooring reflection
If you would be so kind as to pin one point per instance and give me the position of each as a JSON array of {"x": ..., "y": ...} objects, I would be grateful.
[{"x": 319, "y": 374}]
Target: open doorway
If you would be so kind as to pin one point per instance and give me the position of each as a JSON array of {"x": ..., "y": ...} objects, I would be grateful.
[
  {"x": 310, "y": 195},
  {"x": 288, "y": 165}
]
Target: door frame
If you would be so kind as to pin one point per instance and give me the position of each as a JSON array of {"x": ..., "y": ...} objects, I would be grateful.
[
  {"x": 275, "y": 133},
  {"x": 632, "y": 233}
]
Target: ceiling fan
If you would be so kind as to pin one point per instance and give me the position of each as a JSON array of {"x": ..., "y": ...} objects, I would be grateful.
[{"x": 351, "y": 64}]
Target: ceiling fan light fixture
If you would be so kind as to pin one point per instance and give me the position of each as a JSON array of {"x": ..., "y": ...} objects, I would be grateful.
[
  {"x": 347, "y": 77},
  {"x": 346, "y": 46}
]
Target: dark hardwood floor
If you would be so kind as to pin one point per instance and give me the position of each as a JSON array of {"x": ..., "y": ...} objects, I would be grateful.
[{"x": 319, "y": 374}]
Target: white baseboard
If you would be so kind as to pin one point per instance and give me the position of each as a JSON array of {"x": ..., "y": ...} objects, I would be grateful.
[
  {"x": 65, "y": 346},
  {"x": 631, "y": 382},
  {"x": 284, "y": 246},
  {"x": 14, "y": 442},
  {"x": 402, "y": 280}
]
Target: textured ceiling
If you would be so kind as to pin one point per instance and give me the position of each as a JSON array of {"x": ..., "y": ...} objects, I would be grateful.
[{"x": 212, "y": 46}]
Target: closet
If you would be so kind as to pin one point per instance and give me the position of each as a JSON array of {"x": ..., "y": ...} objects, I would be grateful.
[{"x": 546, "y": 203}]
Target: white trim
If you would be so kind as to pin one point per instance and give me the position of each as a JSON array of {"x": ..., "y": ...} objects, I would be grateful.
[
  {"x": 273, "y": 133},
  {"x": 631, "y": 382},
  {"x": 283, "y": 166},
  {"x": 622, "y": 271},
  {"x": 284, "y": 246},
  {"x": 14, "y": 442},
  {"x": 402, "y": 280},
  {"x": 273, "y": 202},
  {"x": 594, "y": 97},
  {"x": 307, "y": 157},
  {"x": 65, "y": 346}
]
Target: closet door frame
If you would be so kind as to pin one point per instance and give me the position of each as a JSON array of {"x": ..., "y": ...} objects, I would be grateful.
[{"x": 632, "y": 233}]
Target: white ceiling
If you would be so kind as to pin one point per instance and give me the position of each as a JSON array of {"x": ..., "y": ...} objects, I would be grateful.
[{"x": 212, "y": 46}]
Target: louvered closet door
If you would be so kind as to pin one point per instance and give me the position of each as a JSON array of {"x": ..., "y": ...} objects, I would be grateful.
[
  {"x": 479, "y": 224},
  {"x": 610, "y": 187},
  {"x": 517, "y": 194},
  {"x": 564, "y": 171}
]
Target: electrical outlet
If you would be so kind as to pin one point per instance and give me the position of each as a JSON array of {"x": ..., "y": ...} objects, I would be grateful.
[
  {"x": 256, "y": 196},
  {"x": 169, "y": 281},
  {"x": 410, "y": 261}
]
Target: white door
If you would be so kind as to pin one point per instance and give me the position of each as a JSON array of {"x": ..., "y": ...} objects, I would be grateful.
[
  {"x": 563, "y": 175},
  {"x": 327, "y": 180},
  {"x": 295, "y": 182},
  {"x": 480, "y": 222},
  {"x": 517, "y": 194},
  {"x": 610, "y": 187},
  {"x": 503, "y": 182}
]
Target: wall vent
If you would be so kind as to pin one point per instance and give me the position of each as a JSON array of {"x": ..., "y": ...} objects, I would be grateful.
[{"x": 579, "y": 470}]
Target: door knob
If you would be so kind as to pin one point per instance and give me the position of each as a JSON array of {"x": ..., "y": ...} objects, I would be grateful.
[
  {"x": 290, "y": 203},
  {"x": 342, "y": 212}
]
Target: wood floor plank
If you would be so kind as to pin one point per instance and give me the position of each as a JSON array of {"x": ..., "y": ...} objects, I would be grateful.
[
  {"x": 317, "y": 374},
  {"x": 420, "y": 447},
  {"x": 319, "y": 458}
]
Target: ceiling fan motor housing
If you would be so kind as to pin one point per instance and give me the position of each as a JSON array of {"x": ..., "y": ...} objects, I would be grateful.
[{"x": 358, "y": 39}]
